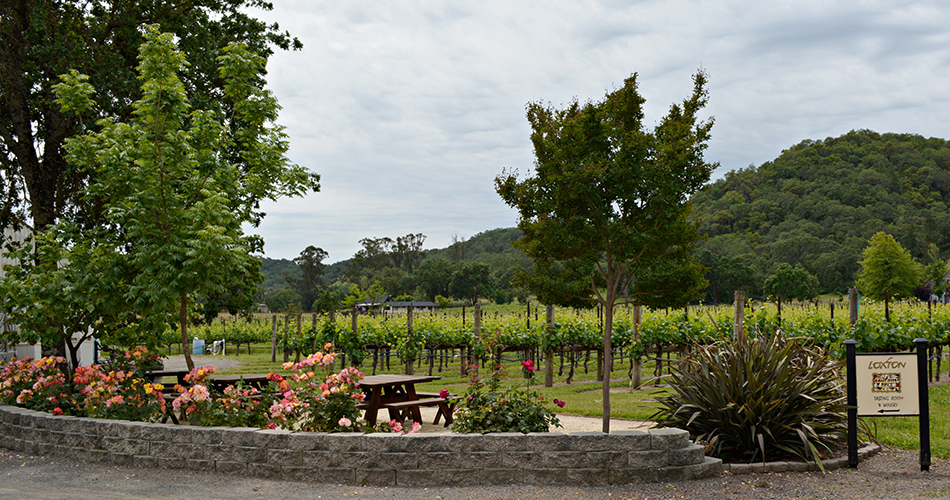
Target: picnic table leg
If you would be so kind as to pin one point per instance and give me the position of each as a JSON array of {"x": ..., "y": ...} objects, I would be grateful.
[
  {"x": 374, "y": 401},
  {"x": 413, "y": 410},
  {"x": 445, "y": 410}
]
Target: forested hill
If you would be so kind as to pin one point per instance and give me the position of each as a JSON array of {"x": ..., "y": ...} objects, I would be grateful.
[
  {"x": 817, "y": 205},
  {"x": 492, "y": 247}
]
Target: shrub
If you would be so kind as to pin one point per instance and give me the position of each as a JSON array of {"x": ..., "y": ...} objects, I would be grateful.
[
  {"x": 306, "y": 404},
  {"x": 767, "y": 398},
  {"x": 489, "y": 407},
  {"x": 38, "y": 385},
  {"x": 119, "y": 394}
]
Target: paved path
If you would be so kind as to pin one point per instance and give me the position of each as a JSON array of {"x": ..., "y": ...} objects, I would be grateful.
[{"x": 889, "y": 475}]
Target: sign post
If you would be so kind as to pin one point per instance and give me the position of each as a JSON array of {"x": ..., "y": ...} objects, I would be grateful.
[{"x": 888, "y": 385}]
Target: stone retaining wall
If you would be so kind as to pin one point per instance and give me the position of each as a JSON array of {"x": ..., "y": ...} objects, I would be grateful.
[{"x": 424, "y": 459}]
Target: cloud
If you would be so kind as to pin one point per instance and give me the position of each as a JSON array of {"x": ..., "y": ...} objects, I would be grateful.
[{"x": 410, "y": 109}]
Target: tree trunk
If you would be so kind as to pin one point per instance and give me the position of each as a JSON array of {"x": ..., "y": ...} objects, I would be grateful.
[
  {"x": 608, "y": 330},
  {"x": 183, "y": 318}
]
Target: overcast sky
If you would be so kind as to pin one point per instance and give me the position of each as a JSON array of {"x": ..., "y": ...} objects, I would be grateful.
[{"x": 408, "y": 110}]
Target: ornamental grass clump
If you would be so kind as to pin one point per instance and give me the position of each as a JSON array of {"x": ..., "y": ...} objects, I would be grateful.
[{"x": 765, "y": 398}]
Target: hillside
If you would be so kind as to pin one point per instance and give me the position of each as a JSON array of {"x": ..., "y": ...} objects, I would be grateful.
[
  {"x": 817, "y": 205},
  {"x": 491, "y": 247}
]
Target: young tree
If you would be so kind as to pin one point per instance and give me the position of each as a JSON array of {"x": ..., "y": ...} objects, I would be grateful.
[
  {"x": 887, "y": 266},
  {"x": 606, "y": 212},
  {"x": 176, "y": 184}
]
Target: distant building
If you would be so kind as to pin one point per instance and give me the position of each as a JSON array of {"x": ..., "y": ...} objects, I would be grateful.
[{"x": 386, "y": 305}]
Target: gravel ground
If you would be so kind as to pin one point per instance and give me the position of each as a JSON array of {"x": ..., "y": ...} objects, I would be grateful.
[{"x": 892, "y": 474}]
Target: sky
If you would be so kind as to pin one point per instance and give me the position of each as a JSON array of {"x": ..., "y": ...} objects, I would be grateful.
[{"x": 409, "y": 110}]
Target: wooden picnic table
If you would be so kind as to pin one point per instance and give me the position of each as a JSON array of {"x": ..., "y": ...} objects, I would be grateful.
[
  {"x": 397, "y": 393},
  {"x": 256, "y": 380},
  {"x": 157, "y": 375}
]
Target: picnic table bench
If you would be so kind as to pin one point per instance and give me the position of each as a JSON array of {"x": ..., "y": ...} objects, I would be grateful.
[
  {"x": 397, "y": 394},
  {"x": 446, "y": 408}
]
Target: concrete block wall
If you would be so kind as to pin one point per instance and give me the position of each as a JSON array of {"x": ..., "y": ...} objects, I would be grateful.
[{"x": 426, "y": 459}]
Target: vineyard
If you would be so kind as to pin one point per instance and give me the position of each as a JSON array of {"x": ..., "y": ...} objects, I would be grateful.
[{"x": 575, "y": 337}]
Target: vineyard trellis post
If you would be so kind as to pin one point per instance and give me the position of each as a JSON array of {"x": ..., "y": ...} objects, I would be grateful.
[
  {"x": 286, "y": 340},
  {"x": 477, "y": 322},
  {"x": 853, "y": 306},
  {"x": 637, "y": 318},
  {"x": 549, "y": 350},
  {"x": 273, "y": 340},
  {"x": 739, "y": 304},
  {"x": 297, "y": 343},
  {"x": 528, "y": 316},
  {"x": 409, "y": 341},
  {"x": 779, "y": 316}
]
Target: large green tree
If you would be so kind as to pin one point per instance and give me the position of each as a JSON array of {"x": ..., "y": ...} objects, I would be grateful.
[
  {"x": 42, "y": 39},
  {"x": 176, "y": 183},
  {"x": 791, "y": 283},
  {"x": 887, "y": 266},
  {"x": 607, "y": 207},
  {"x": 309, "y": 284},
  {"x": 470, "y": 281}
]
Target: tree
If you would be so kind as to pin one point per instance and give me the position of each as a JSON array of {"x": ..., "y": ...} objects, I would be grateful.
[
  {"x": 283, "y": 300},
  {"x": 457, "y": 249},
  {"x": 407, "y": 252},
  {"x": 53, "y": 298},
  {"x": 606, "y": 212},
  {"x": 177, "y": 183},
  {"x": 471, "y": 281},
  {"x": 43, "y": 39},
  {"x": 433, "y": 277},
  {"x": 310, "y": 282},
  {"x": 887, "y": 266},
  {"x": 935, "y": 271},
  {"x": 791, "y": 283}
]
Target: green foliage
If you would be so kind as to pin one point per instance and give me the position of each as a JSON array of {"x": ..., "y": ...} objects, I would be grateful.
[
  {"x": 887, "y": 266},
  {"x": 308, "y": 282},
  {"x": 819, "y": 202},
  {"x": 491, "y": 407},
  {"x": 471, "y": 281},
  {"x": 282, "y": 300},
  {"x": 60, "y": 295},
  {"x": 605, "y": 216},
  {"x": 433, "y": 278},
  {"x": 175, "y": 186},
  {"x": 768, "y": 398},
  {"x": 98, "y": 38},
  {"x": 791, "y": 283}
]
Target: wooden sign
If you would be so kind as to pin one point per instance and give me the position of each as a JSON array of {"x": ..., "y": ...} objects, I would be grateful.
[{"x": 887, "y": 385}]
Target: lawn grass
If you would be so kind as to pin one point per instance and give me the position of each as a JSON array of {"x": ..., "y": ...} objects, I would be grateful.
[
  {"x": 584, "y": 395},
  {"x": 904, "y": 432}
]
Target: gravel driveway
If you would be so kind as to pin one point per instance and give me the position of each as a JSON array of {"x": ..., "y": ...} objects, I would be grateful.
[{"x": 891, "y": 474}]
